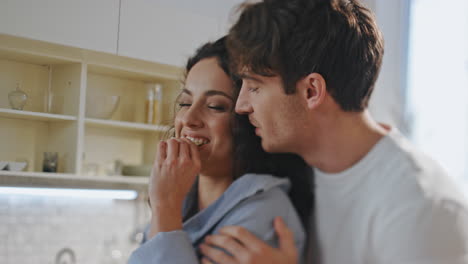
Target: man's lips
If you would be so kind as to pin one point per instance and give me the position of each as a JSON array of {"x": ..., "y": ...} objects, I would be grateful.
[
  {"x": 257, "y": 131},
  {"x": 253, "y": 122}
]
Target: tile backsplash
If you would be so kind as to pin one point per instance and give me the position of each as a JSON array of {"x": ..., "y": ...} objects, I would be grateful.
[{"x": 33, "y": 229}]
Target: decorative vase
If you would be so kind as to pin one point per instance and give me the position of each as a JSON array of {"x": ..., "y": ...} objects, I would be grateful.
[{"x": 17, "y": 98}]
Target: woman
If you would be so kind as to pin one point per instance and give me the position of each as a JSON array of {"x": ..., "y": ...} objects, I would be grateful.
[{"x": 214, "y": 173}]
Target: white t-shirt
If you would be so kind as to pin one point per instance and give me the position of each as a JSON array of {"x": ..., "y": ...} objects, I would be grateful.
[{"x": 395, "y": 206}]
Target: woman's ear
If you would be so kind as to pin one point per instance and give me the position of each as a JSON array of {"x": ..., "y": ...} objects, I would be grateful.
[{"x": 313, "y": 89}]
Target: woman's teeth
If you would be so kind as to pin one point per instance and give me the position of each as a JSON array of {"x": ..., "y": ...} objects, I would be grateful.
[{"x": 197, "y": 141}]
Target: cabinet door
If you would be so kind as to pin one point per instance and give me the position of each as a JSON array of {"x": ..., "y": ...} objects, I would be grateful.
[
  {"x": 88, "y": 24},
  {"x": 162, "y": 33}
]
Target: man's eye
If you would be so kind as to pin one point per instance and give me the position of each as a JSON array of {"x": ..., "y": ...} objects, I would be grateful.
[
  {"x": 253, "y": 89},
  {"x": 184, "y": 105}
]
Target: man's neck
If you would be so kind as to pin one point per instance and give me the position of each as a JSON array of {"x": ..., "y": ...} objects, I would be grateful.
[{"x": 343, "y": 141}]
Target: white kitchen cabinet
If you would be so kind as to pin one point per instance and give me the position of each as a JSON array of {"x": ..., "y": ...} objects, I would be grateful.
[
  {"x": 87, "y": 24},
  {"x": 73, "y": 76},
  {"x": 153, "y": 31}
]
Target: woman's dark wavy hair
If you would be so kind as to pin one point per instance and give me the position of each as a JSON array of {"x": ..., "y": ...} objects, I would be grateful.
[{"x": 249, "y": 156}]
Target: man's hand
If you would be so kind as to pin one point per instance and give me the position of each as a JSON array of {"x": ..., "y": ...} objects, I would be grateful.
[
  {"x": 174, "y": 171},
  {"x": 248, "y": 249}
]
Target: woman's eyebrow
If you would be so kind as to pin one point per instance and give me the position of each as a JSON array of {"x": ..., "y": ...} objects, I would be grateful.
[
  {"x": 216, "y": 92},
  {"x": 186, "y": 91}
]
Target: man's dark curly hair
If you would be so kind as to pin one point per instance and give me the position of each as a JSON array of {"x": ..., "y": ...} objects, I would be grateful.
[{"x": 338, "y": 39}]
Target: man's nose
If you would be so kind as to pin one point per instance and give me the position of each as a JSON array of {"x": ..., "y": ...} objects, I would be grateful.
[{"x": 243, "y": 105}]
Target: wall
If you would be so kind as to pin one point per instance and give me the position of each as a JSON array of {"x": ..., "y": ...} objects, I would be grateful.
[
  {"x": 33, "y": 229},
  {"x": 388, "y": 102}
]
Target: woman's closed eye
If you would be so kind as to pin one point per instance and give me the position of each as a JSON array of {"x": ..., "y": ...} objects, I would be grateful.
[
  {"x": 219, "y": 108},
  {"x": 184, "y": 105}
]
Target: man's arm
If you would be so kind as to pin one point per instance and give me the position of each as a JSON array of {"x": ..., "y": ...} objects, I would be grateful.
[{"x": 422, "y": 232}]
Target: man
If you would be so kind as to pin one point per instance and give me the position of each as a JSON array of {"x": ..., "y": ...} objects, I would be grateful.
[{"x": 308, "y": 70}]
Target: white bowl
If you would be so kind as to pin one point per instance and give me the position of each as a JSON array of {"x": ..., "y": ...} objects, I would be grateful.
[
  {"x": 16, "y": 166},
  {"x": 3, "y": 164},
  {"x": 101, "y": 106}
]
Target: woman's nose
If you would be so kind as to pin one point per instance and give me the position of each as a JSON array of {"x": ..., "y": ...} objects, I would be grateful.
[{"x": 192, "y": 118}]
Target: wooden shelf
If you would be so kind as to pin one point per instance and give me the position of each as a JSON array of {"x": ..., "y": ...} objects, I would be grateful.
[
  {"x": 43, "y": 179},
  {"x": 37, "y": 52},
  {"x": 135, "y": 71},
  {"x": 74, "y": 73},
  {"x": 35, "y": 116},
  {"x": 125, "y": 125}
]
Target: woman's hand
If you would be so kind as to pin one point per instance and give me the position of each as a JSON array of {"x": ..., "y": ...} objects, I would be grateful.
[
  {"x": 248, "y": 249},
  {"x": 174, "y": 171}
]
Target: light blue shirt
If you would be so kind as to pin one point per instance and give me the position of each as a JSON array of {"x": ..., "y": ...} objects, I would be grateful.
[{"x": 252, "y": 201}]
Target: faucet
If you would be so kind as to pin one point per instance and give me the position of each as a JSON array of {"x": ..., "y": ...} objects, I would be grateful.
[{"x": 61, "y": 257}]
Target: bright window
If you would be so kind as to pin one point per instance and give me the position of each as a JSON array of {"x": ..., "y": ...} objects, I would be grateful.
[{"x": 438, "y": 81}]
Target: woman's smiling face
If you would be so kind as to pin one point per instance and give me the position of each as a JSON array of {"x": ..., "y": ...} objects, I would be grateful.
[{"x": 205, "y": 112}]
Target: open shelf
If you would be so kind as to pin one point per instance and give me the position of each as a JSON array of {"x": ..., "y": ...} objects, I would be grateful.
[
  {"x": 125, "y": 125},
  {"x": 43, "y": 179},
  {"x": 28, "y": 115},
  {"x": 61, "y": 83}
]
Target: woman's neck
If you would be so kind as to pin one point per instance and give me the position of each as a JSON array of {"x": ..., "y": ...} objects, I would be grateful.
[{"x": 211, "y": 188}]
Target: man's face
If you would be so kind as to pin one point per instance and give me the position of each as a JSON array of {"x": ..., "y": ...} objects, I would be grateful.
[{"x": 275, "y": 114}]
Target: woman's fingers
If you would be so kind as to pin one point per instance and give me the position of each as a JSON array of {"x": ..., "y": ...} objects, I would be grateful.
[
  {"x": 184, "y": 150},
  {"x": 161, "y": 153},
  {"x": 172, "y": 149},
  {"x": 194, "y": 153}
]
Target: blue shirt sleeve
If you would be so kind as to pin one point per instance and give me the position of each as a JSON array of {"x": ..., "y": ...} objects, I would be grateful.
[
  {"x": 172, "y": 247},
  {"x": 257, "y": 213}
]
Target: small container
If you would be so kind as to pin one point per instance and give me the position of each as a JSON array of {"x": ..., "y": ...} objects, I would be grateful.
[
  {"x": 50, "y": 162},
  {"x": 17, "y": 98},
  {"x": 153, "y": 104}
]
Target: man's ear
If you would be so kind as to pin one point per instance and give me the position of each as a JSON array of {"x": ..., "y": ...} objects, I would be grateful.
[{"x": 313, "y": 89}]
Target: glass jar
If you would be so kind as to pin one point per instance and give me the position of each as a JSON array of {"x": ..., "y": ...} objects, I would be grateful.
[{"x": 17, "y": 98}]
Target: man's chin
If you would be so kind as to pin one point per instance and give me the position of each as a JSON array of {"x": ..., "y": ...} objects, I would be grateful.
[{"x": 270, "y": 148}]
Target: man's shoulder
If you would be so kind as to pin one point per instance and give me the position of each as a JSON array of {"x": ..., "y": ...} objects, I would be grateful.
[
  {"x": 413, "y": 185},
  {"x": 408, "y": 173},
  {"x": 419, "y": 210}
]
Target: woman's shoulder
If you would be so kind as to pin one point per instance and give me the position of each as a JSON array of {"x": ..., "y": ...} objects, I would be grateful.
[
  {"x": 264, "y": 203},
  {"x": 261, "y": 193},
  {"x": 252, "y": 183}
]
